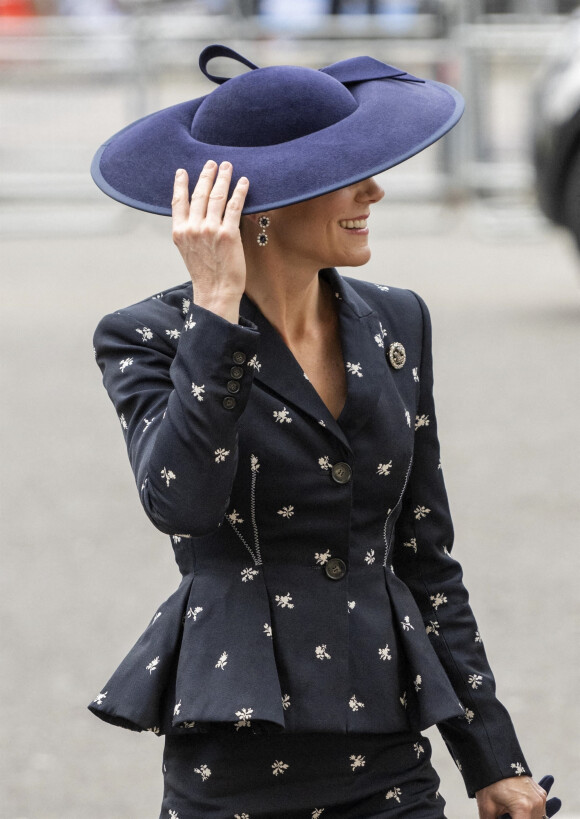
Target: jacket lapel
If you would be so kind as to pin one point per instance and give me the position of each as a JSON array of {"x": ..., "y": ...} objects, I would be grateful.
[{"x": 280, "y": 373}]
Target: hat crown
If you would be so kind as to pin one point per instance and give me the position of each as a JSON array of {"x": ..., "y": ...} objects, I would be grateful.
[{"x": 269, "y": 106}]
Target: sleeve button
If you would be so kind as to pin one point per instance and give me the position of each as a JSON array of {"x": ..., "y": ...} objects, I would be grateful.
[
  {"x": 233, "y": 386},
  {"x": 239, "y": 357},
  {"x": 237, "y": 372},
  {"x": 229, "y": 402}
]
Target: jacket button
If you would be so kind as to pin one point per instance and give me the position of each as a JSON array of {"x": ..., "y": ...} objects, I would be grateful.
[
  {"x": 239, "y": 357},
  {"x": 233, "y": 386},
  {"x": 335, "y": 568},
  {"x": 237, "y": 372},
  {"x": 341, "y": 472},
  {"x": 229, "y": 402}
]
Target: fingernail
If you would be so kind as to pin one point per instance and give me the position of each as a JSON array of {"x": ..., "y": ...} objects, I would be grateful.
[
  {"x": 178, "y": 173},
  {"x": 225, "y": 165},
  {"x": 210, "y": 163},
  {"x": 243, "y": 180}
]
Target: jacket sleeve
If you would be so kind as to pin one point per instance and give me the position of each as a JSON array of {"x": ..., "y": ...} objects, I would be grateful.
[
  {"x": 179, "y": 409},
  {"x": 483, "y": 741}
]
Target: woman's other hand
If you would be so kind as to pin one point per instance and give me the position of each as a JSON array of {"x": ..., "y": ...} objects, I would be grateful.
[
  {"x": 518, "y": 796},
  {"x": 206, "y": 230}
]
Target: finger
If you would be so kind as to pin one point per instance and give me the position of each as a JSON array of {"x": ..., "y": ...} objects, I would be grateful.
[
  {"x": 553, "y": 805},
  {"x": 180, "y": 201},
  {"x": 201, "y": 191},
  {"x": 546, "y": 782},
  {"x": 235, "y": 206},
  {"x": 219, "y": 194}
]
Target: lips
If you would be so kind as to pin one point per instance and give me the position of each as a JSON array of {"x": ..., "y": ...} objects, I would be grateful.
[{"x": 353, "y": 224}]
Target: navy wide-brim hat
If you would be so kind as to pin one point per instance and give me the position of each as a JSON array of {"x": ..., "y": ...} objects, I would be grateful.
[{"x": 295, "y": 132}]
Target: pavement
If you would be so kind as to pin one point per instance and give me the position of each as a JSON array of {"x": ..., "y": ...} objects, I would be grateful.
[{"x": 83, "y": 570}]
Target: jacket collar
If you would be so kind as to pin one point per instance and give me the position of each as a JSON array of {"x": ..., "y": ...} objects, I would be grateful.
[{"x": 360, "y": 334}]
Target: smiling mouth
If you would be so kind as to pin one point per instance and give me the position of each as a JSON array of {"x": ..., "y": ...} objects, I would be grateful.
[{"x": 353, "y": 224}]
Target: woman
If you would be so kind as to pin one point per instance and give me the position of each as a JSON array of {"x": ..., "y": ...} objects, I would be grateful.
[{"x": 279, "y": 419}]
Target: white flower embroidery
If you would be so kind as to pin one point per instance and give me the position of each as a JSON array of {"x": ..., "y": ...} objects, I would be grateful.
[
  {"x": 382, "y": 334},
  {"x": 317, "y": 813},
  {"x": 321, "y": 652},
  {"x": 322, "y": 424},
  {"x": 187, "y": 724},
  {"x": 172, "y": 333},
  {"x": 203, "y": 771},
  {"x": 197, "y": 391},
  {"x": 384, "y": 469},
  {"x": 192, "y": 613},
  {"x": 244, "y": 716},
  {"x": 421, "y": 421},
  {"x": 254, "y": 363},
  {"x": 145, "y": 333},
  {"x": 408, "y": 417},
  {"x": 241, "y": 816},
  {"x": 370, "y": 557},
  {"x": 177, "y": 709},
  {"x": 351, "y": 604},
  {"x": 459, "y": 765},
  {"x": 285, "y": 601},
  {"x": 437, "y": 600},
  {"x": 417, "y": 683},
  {"x": 411, "y": 544},
  {"x": 385, "y": 653},
  {"x": 418, "y": 749},
  {"x": 416, "y": 373},
  {"x": 267, "y": 629},
  {"x": 478, "y": 637},
  {"x": 355, "y": 704},
  {"x": 233, "y": 517},
  {"x": 354, "y": 369},
  {"x": 223, "y": 660},
  {"x": 279, "y": 767},
  {"x": 126, "y": 362},
  {"x": 433, "y": 627},
  {"x": 100, "y": 697},
  {"x": 189, "y": 323},
  {"x": 282, "y": 416},
  {"x": 156, "y": 617},
  {"x": 154, "y": 729},
  {"x": 394, "y": 793},
  {"x": 122, "y": 420},
  {"x": 167, "y": 475},
  {"x": 185, "y": 305},
  {"x": 147, "y": 423},
  {"x": 406, "y": 623},
  {"x": 286, "y": 511},
  {"x": 469, "y": 715},
  {"x": 254, "y": 464},
  {"x": 286, "y": 701},
  {"x": 446, "y": 551},
  {"x": 324, "y": 462},
  {"x": 383, "y": 287},
  {"x": 152, "y": 665},
  {"x": 475, "y": 680},
  {"x": 305, "y": 376},
  {"x": 421, "y": 512},
  {"x": 173, "y": 814},
  {"x": 221, "y": 455},
  {"x": 321, "y": 557},
  {"x": 403, "y": 699},
  {"x": 248, "y": 574},
  {"x": 518, "y": 768},
  {"x": 158, "y": 296},
  {"x": 358, "y": 761}
]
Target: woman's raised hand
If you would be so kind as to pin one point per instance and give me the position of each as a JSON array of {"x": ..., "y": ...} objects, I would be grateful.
[{"x": 206, "y": 230}]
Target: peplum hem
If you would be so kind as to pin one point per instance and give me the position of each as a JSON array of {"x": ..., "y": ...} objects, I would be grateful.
[{"x": 203, "y": 663}]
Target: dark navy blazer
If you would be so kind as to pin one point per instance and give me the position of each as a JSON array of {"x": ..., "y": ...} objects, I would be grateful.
[{"x": 318, "y": 590}]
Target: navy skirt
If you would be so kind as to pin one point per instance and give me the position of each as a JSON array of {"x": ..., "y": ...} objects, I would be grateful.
[{"x": 300, "y": 776}]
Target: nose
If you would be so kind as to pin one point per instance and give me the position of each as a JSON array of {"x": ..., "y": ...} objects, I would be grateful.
[{"x": 370, "y": 191}]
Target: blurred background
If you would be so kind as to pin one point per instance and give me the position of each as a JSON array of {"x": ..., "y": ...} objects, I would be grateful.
[{"x": 484, "y": 225}]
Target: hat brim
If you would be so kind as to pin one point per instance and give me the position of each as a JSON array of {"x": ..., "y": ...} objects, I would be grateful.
[{"x": 393, "y": 121}]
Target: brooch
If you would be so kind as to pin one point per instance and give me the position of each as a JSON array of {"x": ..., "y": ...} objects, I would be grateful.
[{"x": 397, "y": 355}]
